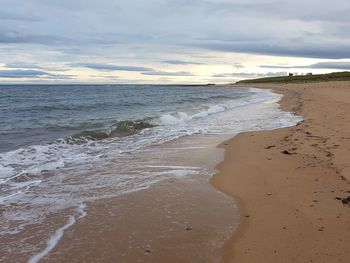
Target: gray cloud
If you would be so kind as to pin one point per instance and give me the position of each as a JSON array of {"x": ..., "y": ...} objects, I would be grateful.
[
  {"x": 166, "y": 73},
  {"x": 238, "y": 65},
  {"x": 30, "y": 73},
  {"x": 249, "y": 75},
  {"x": 17, "y": 37},
  {"x": 109, "y": 67},
  {"x": 280, "y": 66},
  {"x": 15, "y": 16},
  {"x": 22, "y": 65},
  {"x": 181, "y": 62},
  {"x": 21, "y": 73},
  {"x": 342, "y": 65},
  {"x": 323, "y": 49},
  {"x": 331, "y": 65},
  {"x": 26, "y": 65}
]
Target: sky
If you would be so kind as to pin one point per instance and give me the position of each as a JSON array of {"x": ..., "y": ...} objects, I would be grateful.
[{"x": 170, "y": 41}]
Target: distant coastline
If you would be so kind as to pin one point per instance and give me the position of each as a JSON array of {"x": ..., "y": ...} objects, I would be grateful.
[{"x": 309, "y": 78}]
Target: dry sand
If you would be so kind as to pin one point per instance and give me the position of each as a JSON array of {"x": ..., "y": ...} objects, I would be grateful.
[{"x": 287, "y": 201}]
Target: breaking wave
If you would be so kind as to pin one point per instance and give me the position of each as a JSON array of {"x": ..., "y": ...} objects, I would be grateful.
[{"x": 120, "y": 129}]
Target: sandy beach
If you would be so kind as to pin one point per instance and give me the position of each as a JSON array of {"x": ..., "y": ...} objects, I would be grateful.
[
  {"x": 279, "y": 195},
  {"x": 290, "y": 183}
]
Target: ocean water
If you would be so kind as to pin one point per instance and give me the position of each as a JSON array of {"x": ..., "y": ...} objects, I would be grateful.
[{"x": 64, "y": 146}]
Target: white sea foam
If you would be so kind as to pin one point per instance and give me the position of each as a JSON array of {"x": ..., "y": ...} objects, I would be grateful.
[
  {"x": 5, "y": 172},
  {"x": 179, "y": 117},
  {"x": 55, "y": 238},
  {"x": 182, "y": 117},
  {"x": 212, "y": 110},
  {"x": 174, "y": 167},
  {"x": 177, "y": 173}
]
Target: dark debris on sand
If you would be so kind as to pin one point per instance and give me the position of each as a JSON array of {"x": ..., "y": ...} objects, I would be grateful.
[
  {"x": 345, "y": 201},
  {"x": 287, "y": 152}
]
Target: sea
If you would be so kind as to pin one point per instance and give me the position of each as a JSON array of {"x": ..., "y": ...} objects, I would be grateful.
[{"x": 63, "y": 147}]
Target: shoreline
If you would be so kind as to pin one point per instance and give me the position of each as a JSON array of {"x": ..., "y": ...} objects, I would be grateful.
[
  {"x": 195, "y": 219},
  {"x": 286, "y": 181},
  {"x": 167, "y": 222}
]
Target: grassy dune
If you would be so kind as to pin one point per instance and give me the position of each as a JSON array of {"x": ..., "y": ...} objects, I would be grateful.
[{"x": 336, "y": 76}]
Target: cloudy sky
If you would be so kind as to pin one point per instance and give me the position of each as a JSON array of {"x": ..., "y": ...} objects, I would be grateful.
[{"x": 170, "y": 41}]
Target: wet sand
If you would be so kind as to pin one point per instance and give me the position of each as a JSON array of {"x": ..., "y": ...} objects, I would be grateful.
[
  {"x": 289, "y": 183},
  {"x": 175, "y": 221}
]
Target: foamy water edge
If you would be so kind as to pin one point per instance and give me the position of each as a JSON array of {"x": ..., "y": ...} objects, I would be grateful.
[{"x": 55, "y": 238}]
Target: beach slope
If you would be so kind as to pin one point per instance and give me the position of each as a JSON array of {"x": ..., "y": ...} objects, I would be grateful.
[{"x": 290, "y": 183}]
